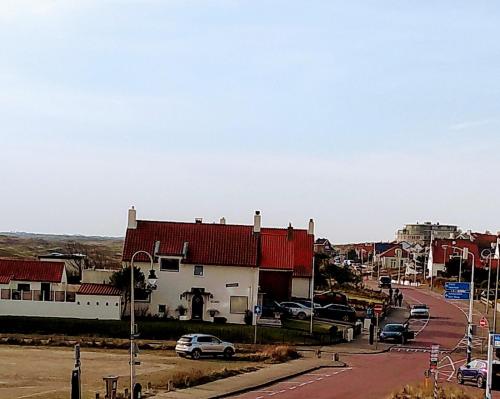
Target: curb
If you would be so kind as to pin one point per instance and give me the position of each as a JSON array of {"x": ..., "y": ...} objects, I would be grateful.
[{"x": 274, "y": 381}]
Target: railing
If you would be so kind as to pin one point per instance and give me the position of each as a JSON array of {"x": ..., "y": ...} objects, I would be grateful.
[{"x": 37, "y": 295}]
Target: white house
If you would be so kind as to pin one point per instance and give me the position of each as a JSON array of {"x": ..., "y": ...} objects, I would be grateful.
[{"x": 208, "y": 270}]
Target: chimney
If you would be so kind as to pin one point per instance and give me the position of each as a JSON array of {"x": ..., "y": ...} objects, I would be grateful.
[
  {"x": 289, "y": 234},
  {"x": 222, "y": 220},
  {"x": 256, "y": 222},
  {"x": 310, "y": 229},
  {"x": 198, "y": 220},
  {"x": 132, "y": 219}
]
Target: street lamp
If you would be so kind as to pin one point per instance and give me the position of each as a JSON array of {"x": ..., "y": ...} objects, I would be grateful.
[
  {"x": 152, "y": 280},
  {"x": 486, "y": 254}
]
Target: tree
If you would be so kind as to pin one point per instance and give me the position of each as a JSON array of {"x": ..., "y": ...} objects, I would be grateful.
[
  {"x": 342, "y": 274},
  {"x": 121, "y": 280},
  {"x": 352, "y": 254}
]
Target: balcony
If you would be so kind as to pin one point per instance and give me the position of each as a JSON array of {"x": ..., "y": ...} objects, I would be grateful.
[{"x": 37, "y": 295}]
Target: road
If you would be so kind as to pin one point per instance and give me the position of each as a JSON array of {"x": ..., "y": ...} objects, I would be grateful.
[{"x": 381, "y": 374}]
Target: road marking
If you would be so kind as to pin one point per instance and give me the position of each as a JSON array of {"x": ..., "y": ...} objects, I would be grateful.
[
  {"x": 292, "y": 387},
  {"x": 319, "y": 378}
]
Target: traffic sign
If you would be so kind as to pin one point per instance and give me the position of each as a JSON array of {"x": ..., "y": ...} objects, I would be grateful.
[
  {"x": 465, "y": 286},
  {"x": 496, "y": 340},
  {"x": 458, "y": 295},
  {"x": 257, "y": 310},
  {"x": 434, "y": 357},
  {"x": 483, "y": 322},
  {"x": 378, "y": 308}
]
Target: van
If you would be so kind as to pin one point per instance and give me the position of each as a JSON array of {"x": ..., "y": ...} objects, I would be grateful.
[{"x": 384, "y": 282}]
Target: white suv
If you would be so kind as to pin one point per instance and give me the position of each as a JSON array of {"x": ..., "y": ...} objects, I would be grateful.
[{"x": 197, "y": 345}]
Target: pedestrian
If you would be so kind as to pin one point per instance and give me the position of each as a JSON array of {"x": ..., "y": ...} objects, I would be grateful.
[
  {"x": 395, "y": 299},
  {"x": 390, "y": 294},
  {"x": 400, "y": 299}
]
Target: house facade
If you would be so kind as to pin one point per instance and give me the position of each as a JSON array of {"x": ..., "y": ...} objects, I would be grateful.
[
  {"x": 394, "y": 258},
  {"x": 40, "y": 288},
  {"x": 208, "y": 270}
]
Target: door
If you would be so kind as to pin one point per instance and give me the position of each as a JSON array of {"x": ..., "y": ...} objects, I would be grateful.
[
  {"x": 197, "y": 307},
  {"x": 217, "y": 346},
  {"x": 45, "y": 290},
  {"x": 469, "y": 372}
]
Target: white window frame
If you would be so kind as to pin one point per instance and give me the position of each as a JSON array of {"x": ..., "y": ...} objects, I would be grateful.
[{"x": 237, "y": 297}]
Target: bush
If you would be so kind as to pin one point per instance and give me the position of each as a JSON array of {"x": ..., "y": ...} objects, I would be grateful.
[
  {"x": 422, "y": 392},
  {"x": 280, "y": 353},
  {"x": 220, "y": 320}
]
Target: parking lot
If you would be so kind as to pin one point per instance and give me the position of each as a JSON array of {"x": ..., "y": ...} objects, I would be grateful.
[{"x": 44, "y": 372}]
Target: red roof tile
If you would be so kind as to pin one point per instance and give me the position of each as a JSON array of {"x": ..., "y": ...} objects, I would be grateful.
[
  {"x": 278, "y": 252},
  {"x": 98, "y": 289},
  {"x": 31, "y": 270},
  {"x": 439, "y": 253},
  {"x": 208, "y": 244},
  {"x": 4, "y": 279}
]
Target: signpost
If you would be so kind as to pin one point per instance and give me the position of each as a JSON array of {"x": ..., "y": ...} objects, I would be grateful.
[
  {"x": 457, "y": 291},
  {"x": 377, "y": 309},
  {"x": 483, "y": 323},
  {"x": 433, "y": 362},
  {"x": 257, "y": 310}
]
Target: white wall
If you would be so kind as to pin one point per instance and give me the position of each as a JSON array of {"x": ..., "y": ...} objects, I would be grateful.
[
  {"x": 301, "y": 287},
  {"x": 172, "y": 284},
  {"x": 66, "y": 309}
]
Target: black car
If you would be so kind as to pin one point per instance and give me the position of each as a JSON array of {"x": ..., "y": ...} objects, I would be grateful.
[
  {"x": 336, "y": 311},
  {"x": 397, "y": 332},
  {"x": 328, "y": 297},
  {"x": 384, "y": 282}
]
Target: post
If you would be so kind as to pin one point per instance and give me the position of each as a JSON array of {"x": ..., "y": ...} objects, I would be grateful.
[
  {"x": 496, "y": 299},
  {"x": 489, "y": 282},
  {"x": 132, "y": 330},
  {"x": 255, "y": 331},
  {"x": 489, "y": 372},
  {"x": 376, "y": 334},
  {"x": 312, "y": 297},
  {"x": 460, "y": 270},
  {"x": 76, "y": 388},
  {"x": 436, "y": 391},
  {"x": 471, "y": 305}
]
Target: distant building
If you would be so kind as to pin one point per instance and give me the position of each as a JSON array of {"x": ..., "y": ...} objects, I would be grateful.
[
  {"x": 393, "y": 258},
  {"x": 323, "y": 246},
  {"x": 421, "y": 233}
]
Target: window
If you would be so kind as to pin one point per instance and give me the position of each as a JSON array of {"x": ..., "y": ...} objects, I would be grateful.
[
  {"x": 238, "y": 304},
  {"x": 162, "y": 308},
  {"x": 23, "y": 287},
  {"x": 169, "y": 264},
  {"x": 204, "y": 339},
  {"x": 198, "y": 270}
]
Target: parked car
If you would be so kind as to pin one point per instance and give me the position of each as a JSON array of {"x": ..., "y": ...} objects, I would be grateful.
[
  {"x": 336, "y": 311},
  {"x": 384, "y": 282},
  {"x": 297, "y": 310},
  {"x": 307, "y": 303},
  {"x": 397, "y": 332},
  {"x": 198, "y": 345},
  {"x": 475, "y": 371},
  {"x": 274, "y": 309},
  {"x": 328, "y": 297},
  {"x": 491, "y": 294},
  {"x": 419, "y": 310}
]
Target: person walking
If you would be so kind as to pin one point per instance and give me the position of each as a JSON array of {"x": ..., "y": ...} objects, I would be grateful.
[
  {"x": 390, "y": 295},
  {"x": 400, "y": 299}
]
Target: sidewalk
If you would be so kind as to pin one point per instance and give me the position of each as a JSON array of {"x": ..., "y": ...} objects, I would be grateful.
[{"x": 243, "y": 382}]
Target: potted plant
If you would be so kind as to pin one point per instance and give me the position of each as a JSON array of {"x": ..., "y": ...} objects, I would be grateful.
[{"x": 181, "y": 309}]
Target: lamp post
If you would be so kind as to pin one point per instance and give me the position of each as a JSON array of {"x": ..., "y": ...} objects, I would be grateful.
[
  {"x": 465, "y": 255},
  {"x": 486, "y": 254},
  {"x": 133, "y": 331}
]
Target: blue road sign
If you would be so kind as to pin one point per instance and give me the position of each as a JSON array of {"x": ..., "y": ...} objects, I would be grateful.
[
  {"x": 457, "y": 286},
  {"x": 257, "y": 310},
  {"x": 457, "y": 295},
  {"x": 496, "y": 341}
]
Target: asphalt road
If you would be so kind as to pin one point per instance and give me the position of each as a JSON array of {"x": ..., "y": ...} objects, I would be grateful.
[{"x": 377, "y": 375}]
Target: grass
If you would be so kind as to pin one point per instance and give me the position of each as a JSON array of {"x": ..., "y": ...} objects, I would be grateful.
[
  {"x": 422, "y": 391},
  {"x": 319, "y": 327}
]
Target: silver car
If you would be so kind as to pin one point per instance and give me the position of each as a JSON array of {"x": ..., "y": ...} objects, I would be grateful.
[
  {"x": 420, "y": 310},
  {"x": 198, "y": 345}
]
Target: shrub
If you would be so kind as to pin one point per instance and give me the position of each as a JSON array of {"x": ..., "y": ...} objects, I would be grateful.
[{"x": 421, "y": 391}]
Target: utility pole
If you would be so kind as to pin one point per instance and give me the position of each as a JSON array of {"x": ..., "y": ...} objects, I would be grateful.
[{"x": 76, "y": 386}]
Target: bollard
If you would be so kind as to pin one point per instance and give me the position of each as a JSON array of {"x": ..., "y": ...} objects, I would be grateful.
[
  {"x": 318, "y": 353},
  {"x": 336, "y": 357},
  {"x": 97, "y": 396},
  {"x": 126, "y": 393}
]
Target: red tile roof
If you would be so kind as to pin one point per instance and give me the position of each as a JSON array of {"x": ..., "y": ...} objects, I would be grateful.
[
  {"x": 439, "y": 253},
  {"x": 224, "y": 245},
  {"x": 391, "y": 252},
  {"x": 5, "y": 279},
  {"x": 278, "y": 252},
  {"x": 31, "y": 270},
  {"x": 208, "y": 244},
  {"x": 98, "y": 289}
]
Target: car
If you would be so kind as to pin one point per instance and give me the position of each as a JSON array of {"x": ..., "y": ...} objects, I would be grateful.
[
  {"x": 336, "y": 311},
  {"x": 475, "y": 371},
  {"x": 397, "y": 332},
  {"x": 307, "y": 303},
  {"x": 274, "y": 309},
  {"x": 297, "y": 310},
  {"x": 491, "y": 294},
  {"x": 419, "y": 310},
  {"x": 198, "y": 345},
  {"x": 384, "y": 282},
  {"x": 328, "y": 297}
]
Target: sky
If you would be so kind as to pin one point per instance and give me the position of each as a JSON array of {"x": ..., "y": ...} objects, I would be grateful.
[{"x": 363, "y": 115}]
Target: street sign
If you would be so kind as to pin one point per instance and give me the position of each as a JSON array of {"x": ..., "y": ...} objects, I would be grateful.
[
  {"x": 465, "y": 286},
  {"x": 496, "y": 340},
  {"x": 483, "y": 322},
  {"x": 257, "y": 310},
  {"x": 457, "y": 295},
  {"x": 434, "y": 357},
  {"x": 378, "y": 309}
]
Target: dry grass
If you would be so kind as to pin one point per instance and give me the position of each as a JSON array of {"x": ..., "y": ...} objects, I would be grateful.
[
  {"x": 421, "y": 391},
  {"x": 272, "y": 354}
]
